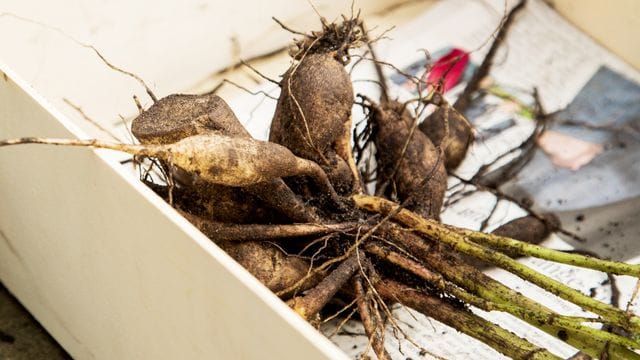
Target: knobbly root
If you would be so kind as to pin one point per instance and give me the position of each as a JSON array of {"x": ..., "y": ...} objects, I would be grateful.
[
  {"x": 315, "y": 299},
  {"x": 371, "y": 320},
  {"x": 217, "y": 159}
]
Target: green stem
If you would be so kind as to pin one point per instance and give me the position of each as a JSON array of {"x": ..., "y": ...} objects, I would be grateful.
[
  {"x": 461, "y": 243},
  {"x": 466, "y": 322},
  {"x": 506, "y": 299},
  {"x": 567, "y": 322},
  {"x": 521, "y": 248}
]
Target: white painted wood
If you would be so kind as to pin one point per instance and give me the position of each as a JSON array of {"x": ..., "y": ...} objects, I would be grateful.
[
  {"x": 111, "y": 270},
  {"x": 172, "y": 44},
  {"x": 108, "y": 268}
]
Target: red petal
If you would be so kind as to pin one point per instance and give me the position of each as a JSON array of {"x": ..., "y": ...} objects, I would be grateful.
[{"x": 452, "y": 64}]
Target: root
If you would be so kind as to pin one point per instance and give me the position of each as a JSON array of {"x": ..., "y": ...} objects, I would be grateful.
[
  {"x": 139, "y": 150},
  {"x": 311, "y": 303},
  {"x": 260, "y": 232},
  {"x": 88, "y": 46},
  {"x": 279, "y": 196},
  {"x": 259, "y": 73},
  {"x": 371, "y": 320},
  {"x": 227, "y": 81},
  {"x": 322, "y": 181}
]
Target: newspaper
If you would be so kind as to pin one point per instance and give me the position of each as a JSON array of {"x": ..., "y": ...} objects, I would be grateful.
[{"x": 598, "y": 200}]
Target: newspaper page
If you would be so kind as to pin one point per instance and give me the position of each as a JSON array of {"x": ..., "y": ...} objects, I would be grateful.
[{"x": 594, "y": 192}]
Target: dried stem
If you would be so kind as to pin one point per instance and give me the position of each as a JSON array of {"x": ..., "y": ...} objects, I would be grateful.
[
  {"x": 431, "y": 277},
  {"x": 483, "y": 70}
]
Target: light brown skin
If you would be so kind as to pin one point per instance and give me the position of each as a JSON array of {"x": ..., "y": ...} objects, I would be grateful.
[
  {"x": 339, "y": 173},
  {"x": 372, "y": 322},
  {"x": 406, "y": 173},
  {"x": 460, "y": 135},
  {"x": 235, "y": 161},
  {"x": 216, "y": 159}
]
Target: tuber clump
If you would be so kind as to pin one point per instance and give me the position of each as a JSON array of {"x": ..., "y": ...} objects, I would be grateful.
[
  {"x": 323, "y": 247},
  {"x": 176, "y": 117}
]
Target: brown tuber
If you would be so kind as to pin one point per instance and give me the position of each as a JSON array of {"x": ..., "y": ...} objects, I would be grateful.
[
  {"x": 176, "y": 117},
  {"x": 313, "y": 114},
  {"x": 224, "y": 204},
  {"x": 460, "y": 134},
  {"x": 407, "y": 161},
  {"x": 529, "y": 229},
  {"x": 315, "y": 103}
]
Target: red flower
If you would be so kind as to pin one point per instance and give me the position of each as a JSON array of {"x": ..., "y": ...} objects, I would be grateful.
[{"x": 450, "y": 67}]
